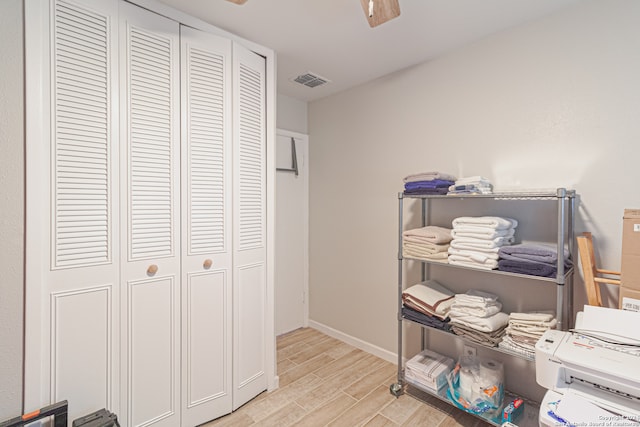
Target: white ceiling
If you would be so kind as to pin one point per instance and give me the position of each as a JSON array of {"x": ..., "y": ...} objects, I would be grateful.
[{"x": 332, "y": 38}]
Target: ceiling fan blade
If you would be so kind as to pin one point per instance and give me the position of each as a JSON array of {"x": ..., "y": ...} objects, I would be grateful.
[
  {"x": 383, "y": 11},
  {"x": 238, "y": 1}
]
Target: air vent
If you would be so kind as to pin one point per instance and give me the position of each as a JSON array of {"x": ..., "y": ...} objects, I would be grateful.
[{"x": 311, "y": 80}]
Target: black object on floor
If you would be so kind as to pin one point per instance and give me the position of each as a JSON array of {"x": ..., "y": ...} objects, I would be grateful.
[
  {"x": 100, "y": 418},
  {"x": 59, "y": 412}
]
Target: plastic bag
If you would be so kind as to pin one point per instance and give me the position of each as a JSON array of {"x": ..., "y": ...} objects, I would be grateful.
[{"x": 477, "y": 385}]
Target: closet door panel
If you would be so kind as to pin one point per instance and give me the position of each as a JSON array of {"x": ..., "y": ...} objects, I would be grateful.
[
  {"x": 249, "y": 280},
  {"x": 78, "y": 292},
  {"x": 152, "y": 358},
  {"x": 83, "y": 347},
  {"x": 206, "y": 226},
  {"x": 150, "y": 195}
]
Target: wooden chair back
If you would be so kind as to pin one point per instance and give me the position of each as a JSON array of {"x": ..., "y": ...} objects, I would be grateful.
[{"x": 593, "y": 276}]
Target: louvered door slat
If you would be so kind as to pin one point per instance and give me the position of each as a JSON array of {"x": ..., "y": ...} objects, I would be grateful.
[
  {"x": 206, "y": 99},
  {"x": 251, "y": 161},
  {"x": 150, "y": 151},
  {"x": 81, "y": 160}
]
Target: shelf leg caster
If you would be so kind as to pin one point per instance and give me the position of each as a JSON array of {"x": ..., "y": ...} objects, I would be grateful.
[{"x": 395, "y": 389}]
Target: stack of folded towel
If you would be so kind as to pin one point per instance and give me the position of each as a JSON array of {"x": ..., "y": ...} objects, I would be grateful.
[
  {"x": 476, "y": 316},
  {"x": 477, "y": 240},
  {"x": 428, "y": 183},
  {"x": 524, "y": 331},
  {"x": 535, "y": 259},
  {"x": 429, "y": 243},
  {"x": 471, "y": 185},
  {"x": 428, "y": 303}
]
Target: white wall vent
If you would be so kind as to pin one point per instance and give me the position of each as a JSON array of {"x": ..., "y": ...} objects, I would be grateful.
[{"x": 311, "y": 80}]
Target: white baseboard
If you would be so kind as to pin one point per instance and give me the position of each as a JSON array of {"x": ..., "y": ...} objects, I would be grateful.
[{"x": 356, "y": 342}]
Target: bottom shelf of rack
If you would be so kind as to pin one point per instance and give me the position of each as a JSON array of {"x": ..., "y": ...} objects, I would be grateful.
[{"x": 529, "y": 417}]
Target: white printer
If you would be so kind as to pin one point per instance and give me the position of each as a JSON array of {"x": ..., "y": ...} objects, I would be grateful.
[{"x": 593, "y": 370}]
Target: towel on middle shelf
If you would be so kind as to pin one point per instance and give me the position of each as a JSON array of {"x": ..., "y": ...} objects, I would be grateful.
[
  {"x": 429, "y": 297},
  {"x": 475, "y": 303},
  {"x": 537, "y": 252},
  {"x": 429, "y": 234},
  {"x": 525, "y": 329},
  {"x": 535, "y": 259},
  {"x": 430, "y": 243},
  {"x": 495, "y": 222},
  {"x": 490, "y": 339},
  {"x": 478, "y": 310},
  {"x": 475, "y": 239}
]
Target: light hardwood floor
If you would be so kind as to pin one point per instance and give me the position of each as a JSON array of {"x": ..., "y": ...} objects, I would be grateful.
[{"x": 325, "y": 382}]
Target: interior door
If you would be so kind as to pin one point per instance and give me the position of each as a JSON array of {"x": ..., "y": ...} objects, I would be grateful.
[
  {"x": 206, "y": 226},
  {"x": 78, "y": 291},
  {"x": 292, "y": 230},
  {"x": 249, "y": 246},
  {"x": 150, "y": 197}
]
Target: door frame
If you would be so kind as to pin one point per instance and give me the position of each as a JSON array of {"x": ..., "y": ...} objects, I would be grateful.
[{"x": 303, "y": 170}]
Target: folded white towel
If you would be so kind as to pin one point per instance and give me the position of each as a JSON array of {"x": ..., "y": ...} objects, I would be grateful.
[
  {"x": 495, "y": 222},
  {"x": 489, "y": 264},
  {"x": 430, "y": 233},
  {"x": 477, "y": 297},
  {"x": 483, "y": 324},
  {"x": 458, "y": 310},
  {"x": 474, "y": 256},
  {"x": 532, "y": 316},
  {"x": 487, "y": 245},
  {"x": 481, "y": 233}
]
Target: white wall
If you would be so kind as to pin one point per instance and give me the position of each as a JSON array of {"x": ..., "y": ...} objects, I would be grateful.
[
  {"x": 11, "y": 207},
  {"x": 291, "y": 114},
  {"x": 554, "y": 103}
]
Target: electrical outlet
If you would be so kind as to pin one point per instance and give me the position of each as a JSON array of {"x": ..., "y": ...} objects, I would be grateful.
[{"x": 469, "y": 351}]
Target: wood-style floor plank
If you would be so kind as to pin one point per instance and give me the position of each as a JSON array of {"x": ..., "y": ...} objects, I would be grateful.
[{"x": 326, "y": 382}]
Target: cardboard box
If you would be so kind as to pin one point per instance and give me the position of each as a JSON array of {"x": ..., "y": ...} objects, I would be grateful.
[
  {"x": 630, "y": 263},
  {"x": 629, "y": 299}
]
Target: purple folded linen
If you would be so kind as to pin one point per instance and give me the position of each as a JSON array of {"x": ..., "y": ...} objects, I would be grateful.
[
  {"x": 533, "y": 252},
  {"x": 532, "y": 268},
  {"x": 434, "y": 183},
  {"x": 427, "y": 191}
]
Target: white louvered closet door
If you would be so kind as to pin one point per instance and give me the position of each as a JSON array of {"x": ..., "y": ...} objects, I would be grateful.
[
  {"x": 249, "y": 251},
  {"x": 206, "y": 226},
  {"x": 150, "y": 197},
  {"x": 78, "y": 293}
]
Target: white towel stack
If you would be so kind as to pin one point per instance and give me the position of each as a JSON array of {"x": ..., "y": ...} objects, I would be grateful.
[
  {"x": 471, "y": 185},
  {"x": 525, "y": 329},
  {"x": 476, "y": 315},
  {"x": 477, "y": 240},
  {"x": 429, "y": 243}
]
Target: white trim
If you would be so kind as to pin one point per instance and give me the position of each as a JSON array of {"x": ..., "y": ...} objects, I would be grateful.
[
  {"x": 305, "y": 172},
  {"x": 356, "y": 342},
  {"x": 36, "y": 19},
  {"x": 270, "y": 121}
]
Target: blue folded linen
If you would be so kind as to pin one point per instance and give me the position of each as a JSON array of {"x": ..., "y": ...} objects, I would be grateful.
[{"x": 532, "y": 268}]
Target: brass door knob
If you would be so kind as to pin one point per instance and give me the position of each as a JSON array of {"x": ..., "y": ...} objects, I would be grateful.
[
  {"x": 152, "y": 269},
  {"x": 207, "y": 263}
]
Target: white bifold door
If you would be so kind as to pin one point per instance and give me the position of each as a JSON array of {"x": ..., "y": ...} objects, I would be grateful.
[{"x": 147, "y": 284}]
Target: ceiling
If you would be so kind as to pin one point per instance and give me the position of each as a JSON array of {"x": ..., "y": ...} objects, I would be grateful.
[{"x": 332, "y": 39}]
